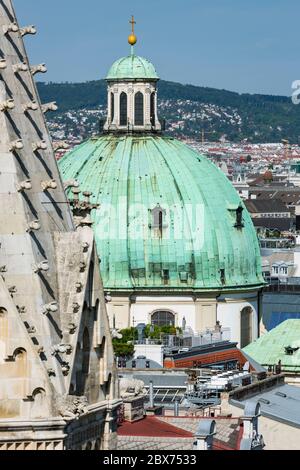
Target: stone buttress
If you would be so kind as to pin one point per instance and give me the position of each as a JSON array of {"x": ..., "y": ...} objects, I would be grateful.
[{"x": 56, "y": 359}]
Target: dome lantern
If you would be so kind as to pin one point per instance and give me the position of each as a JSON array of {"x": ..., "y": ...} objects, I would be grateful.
[{"x": 132, "y": 94}]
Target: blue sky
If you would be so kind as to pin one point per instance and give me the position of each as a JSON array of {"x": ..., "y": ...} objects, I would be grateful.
[{"x": 241, "y": 45}]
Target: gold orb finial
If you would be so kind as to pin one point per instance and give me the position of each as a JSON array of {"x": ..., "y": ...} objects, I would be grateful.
[{"x": 132, "y": 39}]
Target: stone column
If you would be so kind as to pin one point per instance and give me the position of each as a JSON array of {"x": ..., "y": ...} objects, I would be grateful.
[
  {"x": 147, "y": 95},
  {"x": 130, "y": 105}
]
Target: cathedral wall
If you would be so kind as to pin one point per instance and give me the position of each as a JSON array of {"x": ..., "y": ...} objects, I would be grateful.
[{"x": 93, "y": 430}]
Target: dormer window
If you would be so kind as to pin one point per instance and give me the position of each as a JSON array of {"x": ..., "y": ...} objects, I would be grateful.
[
  {"x": 184, "y": 276},
  {"x": 158, "y": 215},
  {"x": 236, "y": 213},
  {"x": 139, "y": 109},
  {"x": 239, "y": 217},
  {"x": 275, "y": 269},
  {"x": 165, "y": 276},
  {"x": 289, "y": 350}
]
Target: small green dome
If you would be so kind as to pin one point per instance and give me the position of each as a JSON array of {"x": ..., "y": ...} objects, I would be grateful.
[
  {"x": 132, "y": 67},
  {"x": 147, "y": 172}
]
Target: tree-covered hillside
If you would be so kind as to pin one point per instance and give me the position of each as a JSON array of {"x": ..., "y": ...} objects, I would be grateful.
[{"x": 188, "y": 109}]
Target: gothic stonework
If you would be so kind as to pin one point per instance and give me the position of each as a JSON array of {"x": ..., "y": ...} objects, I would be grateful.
[{"x": 58, "y": 385}]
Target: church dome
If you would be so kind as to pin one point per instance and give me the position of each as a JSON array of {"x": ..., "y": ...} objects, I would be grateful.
[
  {"x": 146, "y": 185},
  {"x": 132, "y": 67}
]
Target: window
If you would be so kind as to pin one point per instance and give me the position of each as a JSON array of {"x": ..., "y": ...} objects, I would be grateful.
[
  {"x": 112, "y": 107},
  {"x": 165, "y": 274},
  {"x": 246, "y": 326},
  {"x": 239, "y": 217},
  {"x": 123, "y": 109},
  {"x": 283, "y": 270},
  {"x": 139, "y": 109},
  {"x": 163, "y": 318},
  {"x": 152, "y": 109},
  {"x": 275, "y": 269},
  {"x": 157, "y": 217}
]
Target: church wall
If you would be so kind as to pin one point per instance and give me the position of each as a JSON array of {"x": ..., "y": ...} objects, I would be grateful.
[
  {"x": 143, "y": 307},
  {"x": 118, "y": 311},
  {"x": 200, "y": 313},
  {"x": 229, "y": 313},
  {"x": 205, "y": 313}
]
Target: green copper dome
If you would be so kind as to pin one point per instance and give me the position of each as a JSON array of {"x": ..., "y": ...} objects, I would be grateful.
[
  {"x": 134, "y": 176},
  {"x": 132, "y": 67}
]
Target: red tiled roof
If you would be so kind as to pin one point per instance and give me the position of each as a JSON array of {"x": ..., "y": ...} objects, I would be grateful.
[{"x": 152, "y": 427}]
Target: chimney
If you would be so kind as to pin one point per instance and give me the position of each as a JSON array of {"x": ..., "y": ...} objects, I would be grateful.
[
  {"x": 176, "y": 408},
  {"x": 205, "y": 434},
  {"x": 251, "y": 439},
  {"x": 151, "y": 395}
]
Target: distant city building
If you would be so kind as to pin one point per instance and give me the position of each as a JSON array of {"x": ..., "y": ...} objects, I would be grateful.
[
  {"x": 241, "y": 185},
  {"x": 270, "y": 215},
  {"x": 281, "y": 268}
]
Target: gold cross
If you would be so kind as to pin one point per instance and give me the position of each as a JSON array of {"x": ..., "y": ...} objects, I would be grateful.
[{"x": 132, "y": 23}]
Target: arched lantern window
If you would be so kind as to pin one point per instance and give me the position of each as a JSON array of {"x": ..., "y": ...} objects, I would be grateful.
[
  {"x": 112, "y": 107},
  {"x": 123, "y": 109},
  {"x": 152, "y": 109},
  {"x": 139, "y": 109}
]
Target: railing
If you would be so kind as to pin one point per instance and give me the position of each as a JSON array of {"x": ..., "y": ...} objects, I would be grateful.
[
  {"x": 290, "y": 284},
  {"x": 189, "y": 339},
  {"x": 211, "y": 336}
]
